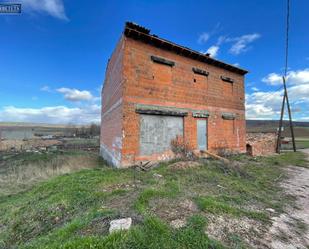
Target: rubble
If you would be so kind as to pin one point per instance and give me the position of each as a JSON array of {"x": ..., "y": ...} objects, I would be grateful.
[{"x": 261, "y": 144}]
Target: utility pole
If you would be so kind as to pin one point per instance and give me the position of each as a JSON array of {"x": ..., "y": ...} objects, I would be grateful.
[
  {"x": 278, "y": 148},
  {"x": 285, "y": 98},
  {"x": 285, "y": 95}
]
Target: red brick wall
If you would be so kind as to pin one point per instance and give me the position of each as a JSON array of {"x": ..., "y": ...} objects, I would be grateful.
[
  {"x": 147, "y": 82},
  {"x": 132, "y": 77},
  {"x": 111, "y": 116}
]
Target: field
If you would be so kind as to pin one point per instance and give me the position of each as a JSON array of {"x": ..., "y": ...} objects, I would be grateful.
[
  {"x": 301, "y": 130},
  {"x": 28, "y": 131},
  {"x": 201, "y": 204},
  {"x": 23, "y": 137}
]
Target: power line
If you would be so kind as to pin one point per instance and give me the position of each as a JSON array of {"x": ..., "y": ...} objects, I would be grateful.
[{"x": 287, "y": 37}]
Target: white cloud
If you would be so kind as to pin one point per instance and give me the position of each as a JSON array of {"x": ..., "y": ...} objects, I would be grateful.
[
  {"x": 213, "y": 51},
  {"x": 259, "y": 111},
  {"x": 203, "y": 38},
  {"x": 299, "y": 93},
  {"x": 267, "y": 105},
  {"x": 255, "y": 89},
  {"x": 293, "y": 78},
  {"x": 221, "y": 40},
  {"x": 74, "y": 94},
  {"x": 273, "y": 79},
  {"x": 52, "y": 115},
  {"x": 54, "y": 8},
  {"x": 45, "y": 89},
  {"x": 305, "y": 119},
  {"x": 241, "y": 43}
]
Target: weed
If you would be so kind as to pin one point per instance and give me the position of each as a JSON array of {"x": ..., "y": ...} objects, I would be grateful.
[
  {"x": 73, "y": 210},
  {"x": 215, "y": 206}
]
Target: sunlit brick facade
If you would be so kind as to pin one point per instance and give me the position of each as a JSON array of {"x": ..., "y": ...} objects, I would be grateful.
[{"x": 155, "y": 89}]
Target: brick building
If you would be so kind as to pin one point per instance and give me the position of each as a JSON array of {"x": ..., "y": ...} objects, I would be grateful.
[{"x": 155, "y": 90}]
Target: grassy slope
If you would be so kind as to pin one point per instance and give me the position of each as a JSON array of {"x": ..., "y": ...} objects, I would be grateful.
[
  {"x": 23, "y": 170},
  {"x": 74, "y": 210}
]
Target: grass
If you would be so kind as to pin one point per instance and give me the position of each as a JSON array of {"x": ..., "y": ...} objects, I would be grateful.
[
  {"x": 302, "y": 144},
  {"x": 82, "y": 141},
  {"x": 73, "y": 210},
  {"x": 152, "y": 233},
  {"x": 23, "y": 170},
  {"x": 213, "y": 205}
]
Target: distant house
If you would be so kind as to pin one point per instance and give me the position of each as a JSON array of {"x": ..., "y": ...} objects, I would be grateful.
[{"x": 155, "y": 90}]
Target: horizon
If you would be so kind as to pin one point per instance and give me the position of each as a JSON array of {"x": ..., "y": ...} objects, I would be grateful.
[
  {"x": 54, "y": 56},
  {"x": 12, "y": 124}
]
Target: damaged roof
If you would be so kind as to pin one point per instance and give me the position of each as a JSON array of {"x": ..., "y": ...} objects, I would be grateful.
[{"x": 138, "y": 32}]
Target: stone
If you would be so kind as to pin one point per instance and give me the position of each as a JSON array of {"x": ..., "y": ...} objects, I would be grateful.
[
  {"x": 178, "y": 223},
  {"x": 155, "y": 175},
  {"x": 120, "y": 224},
  {"x": 270, "y": 210}
]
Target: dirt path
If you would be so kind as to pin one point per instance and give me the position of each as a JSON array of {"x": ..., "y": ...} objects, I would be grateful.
[{"x": 291, "y": 229}]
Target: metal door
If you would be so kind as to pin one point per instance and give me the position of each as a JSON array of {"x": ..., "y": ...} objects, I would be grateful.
[
  {"x": 157, "y": 132},
  {"x": 202, "y": 134}
]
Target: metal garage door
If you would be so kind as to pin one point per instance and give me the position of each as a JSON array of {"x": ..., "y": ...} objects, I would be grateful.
[{"x": 156, "y": 132}]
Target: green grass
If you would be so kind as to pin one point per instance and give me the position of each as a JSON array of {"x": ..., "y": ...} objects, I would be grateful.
[
  {"x": 73, "y": 210},
  {"x": 213, "y": 205},
  {"x": 82, "y": 141},
  {"x": 170, "y": 190},
  {"x": 302, "y": 144},
  {"x": 152, "y": 233},
  {"x": 288, "y": 158}
]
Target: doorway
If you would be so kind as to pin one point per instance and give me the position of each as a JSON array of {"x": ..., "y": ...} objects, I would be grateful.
[{"x": 202, "y": 134}]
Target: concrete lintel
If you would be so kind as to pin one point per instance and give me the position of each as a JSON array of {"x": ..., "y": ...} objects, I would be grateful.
[
  {"x": 227, "y": 79},
  {"x": 160, "y": 110},
  {"x": 162, "y": 61},
  {"x": 200, "y": 71},
  {"x": 228, "y": 115},
  {"x": 200, "y": 114}
]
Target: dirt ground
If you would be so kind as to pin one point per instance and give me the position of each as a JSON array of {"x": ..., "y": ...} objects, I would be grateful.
[
  {"x": 291, "y": 229},
  {"x": 6, "y": 145}
]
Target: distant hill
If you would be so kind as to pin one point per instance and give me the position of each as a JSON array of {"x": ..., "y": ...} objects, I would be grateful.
[
  {"x": 273, "y": 123},
  {"x": 45, "y": 125},
  {"x": 301, "y": 129}
]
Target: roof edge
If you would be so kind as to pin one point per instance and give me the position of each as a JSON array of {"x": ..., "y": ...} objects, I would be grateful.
[{"x": 138, "y": 32}]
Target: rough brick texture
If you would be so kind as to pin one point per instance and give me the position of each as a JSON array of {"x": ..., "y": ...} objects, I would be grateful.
[
  {"x": 259, "y": 144},
  {"x": 133, "y": 78},
  {"x": 112, "y": 108}
]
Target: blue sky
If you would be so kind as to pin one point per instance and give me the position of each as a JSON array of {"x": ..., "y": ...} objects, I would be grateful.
[{"x": 53, "y": 56}]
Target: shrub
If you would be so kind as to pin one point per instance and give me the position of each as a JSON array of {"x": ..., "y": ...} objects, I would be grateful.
[{"x": 182, "y": 149}]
